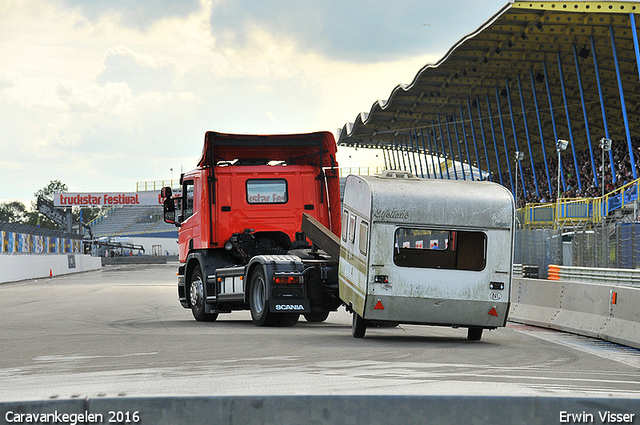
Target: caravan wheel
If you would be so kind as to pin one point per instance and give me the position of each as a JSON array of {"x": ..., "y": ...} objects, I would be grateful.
[
  {"x": 474, "y": 334},
  {"x": 358, "y": 326}
]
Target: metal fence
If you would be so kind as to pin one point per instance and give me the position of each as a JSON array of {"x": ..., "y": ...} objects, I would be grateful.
[
  {"x": 539, "y": 247},
  {"x": 614, "y": 245},
  {"x": 581, "y": 211}
]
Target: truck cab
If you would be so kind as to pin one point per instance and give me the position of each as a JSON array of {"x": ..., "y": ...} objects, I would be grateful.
[{"x": 241, "y": 210}]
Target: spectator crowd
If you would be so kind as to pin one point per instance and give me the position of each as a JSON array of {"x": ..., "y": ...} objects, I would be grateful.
[{"x": 622, "y": 168}]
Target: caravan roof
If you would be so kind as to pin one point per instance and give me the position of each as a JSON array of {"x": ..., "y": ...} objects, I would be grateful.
[{"x": 399, "y": 197}]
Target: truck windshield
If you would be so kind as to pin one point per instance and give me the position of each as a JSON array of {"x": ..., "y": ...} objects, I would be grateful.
[
  {"x": 440, "y": 249},
  {"x": 267, "y": 191}
]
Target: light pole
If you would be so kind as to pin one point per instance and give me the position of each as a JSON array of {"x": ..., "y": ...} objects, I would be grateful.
[
  {"x": 519, "y": 157},
  {"x": 605, "y": 145},
  {"x": 560, "y": 146}
]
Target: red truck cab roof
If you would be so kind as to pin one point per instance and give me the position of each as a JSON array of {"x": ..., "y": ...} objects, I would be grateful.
[{"x": 317, "y": 149}]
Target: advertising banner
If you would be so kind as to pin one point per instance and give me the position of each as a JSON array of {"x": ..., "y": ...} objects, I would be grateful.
[{"x": 92, "y": 199}]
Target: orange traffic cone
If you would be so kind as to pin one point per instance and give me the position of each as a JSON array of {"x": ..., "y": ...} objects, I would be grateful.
[{"x": 50, "y": 273}]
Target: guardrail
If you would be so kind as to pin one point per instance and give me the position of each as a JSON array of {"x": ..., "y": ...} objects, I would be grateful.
[{"x": 625, "y": 277}]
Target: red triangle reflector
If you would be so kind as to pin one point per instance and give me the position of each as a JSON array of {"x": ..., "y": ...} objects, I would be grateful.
[
  {"x": 493, "y": 312},
  {"x": 378, "y": 306}
]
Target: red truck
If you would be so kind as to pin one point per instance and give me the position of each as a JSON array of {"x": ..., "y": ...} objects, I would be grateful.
[{"x": 240, "y": 218}]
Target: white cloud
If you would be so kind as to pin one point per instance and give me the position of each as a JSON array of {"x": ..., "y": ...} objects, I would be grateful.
[
  {"x": 106, "y": 94},
  {"x": 141, "y": 72},
  {"x": 7, "y": 79}
]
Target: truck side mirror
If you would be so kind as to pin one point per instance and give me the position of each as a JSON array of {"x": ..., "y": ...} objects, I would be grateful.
[
  {"x": 169, "y": 206},
  {"x": 165, "y": 192}
]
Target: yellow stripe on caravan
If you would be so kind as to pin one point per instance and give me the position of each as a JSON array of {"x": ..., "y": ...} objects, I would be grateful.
[
  {"x": 359, "y": 291},
  {"x": 356, "y": 262}
]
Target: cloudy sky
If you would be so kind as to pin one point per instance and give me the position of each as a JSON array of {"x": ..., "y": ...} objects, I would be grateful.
[{"x": 102, "y": 94}]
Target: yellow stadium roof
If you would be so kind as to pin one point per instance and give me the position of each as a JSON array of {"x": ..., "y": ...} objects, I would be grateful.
[{"x": 494, "y": 91}]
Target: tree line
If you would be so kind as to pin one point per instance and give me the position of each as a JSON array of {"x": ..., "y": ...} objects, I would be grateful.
[{"x": 18, "y": 212}]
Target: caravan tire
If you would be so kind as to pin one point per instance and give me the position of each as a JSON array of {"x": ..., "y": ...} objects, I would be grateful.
[
  {"x": 358, "y": 326},
  {"x": 474, "y": 334}
]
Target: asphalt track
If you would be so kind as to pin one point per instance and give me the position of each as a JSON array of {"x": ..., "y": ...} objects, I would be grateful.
[{"x": 121, "y": 331}]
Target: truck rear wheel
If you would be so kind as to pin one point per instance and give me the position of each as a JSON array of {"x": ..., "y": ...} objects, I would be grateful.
[
  {"x": 316, "y": 317},
  {"x": 259, "y": 302},
  {"x": 288, "y": 319},
  {"x": 197, "y": 298},
  {"x": 358, "y": 326}
]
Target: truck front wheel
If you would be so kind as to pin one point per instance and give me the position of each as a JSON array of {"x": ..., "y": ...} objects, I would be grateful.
[
  {"x": 197, "y": 298},
  {"x": 258, "y": 300}
]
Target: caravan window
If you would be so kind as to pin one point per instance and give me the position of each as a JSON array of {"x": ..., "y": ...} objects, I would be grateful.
[
  {"x": 363, "y": 237},
  {"x": 345, "y": 225},
  {"x": 440, "y": 249},
  {"x": 352, "y": 228}
]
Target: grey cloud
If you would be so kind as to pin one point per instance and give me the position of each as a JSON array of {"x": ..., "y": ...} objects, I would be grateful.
[
  {"x": 122, "y": 65},
  {"x": 7, "y": 79},
  {"x": 134, "y": 14},
  {"x": 368, "y": 31}
]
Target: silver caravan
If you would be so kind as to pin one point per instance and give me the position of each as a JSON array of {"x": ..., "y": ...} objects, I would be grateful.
[{"x": 426, "y": 251}]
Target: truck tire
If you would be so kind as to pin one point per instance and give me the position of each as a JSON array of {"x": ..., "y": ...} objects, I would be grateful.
[
  {"x": 316, "y": 317},
  {"x": 474, "y": 334},
  {"x": 288, "y": 319},
  {"x": 197, "y": 299},
  {"x": 259, "y": 302},
  {"x": 358, "y": 326}
]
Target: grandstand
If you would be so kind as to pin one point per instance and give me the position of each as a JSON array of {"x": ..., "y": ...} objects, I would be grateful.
[
  {"x": 132, "y": 221},
  {"x": 139, "y": 225},
  {"x": 505, "y": 95},
  {"x": 507, "y": 99}
]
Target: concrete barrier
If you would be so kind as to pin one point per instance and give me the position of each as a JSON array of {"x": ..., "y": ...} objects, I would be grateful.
[
  {"x": 537, "y": 301},
  {"x": 325, "y": 410},
  {"x": 608, "y": 312},
  {"x": 623, "y": 326},
  {"x": 16, "y": 267}
]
